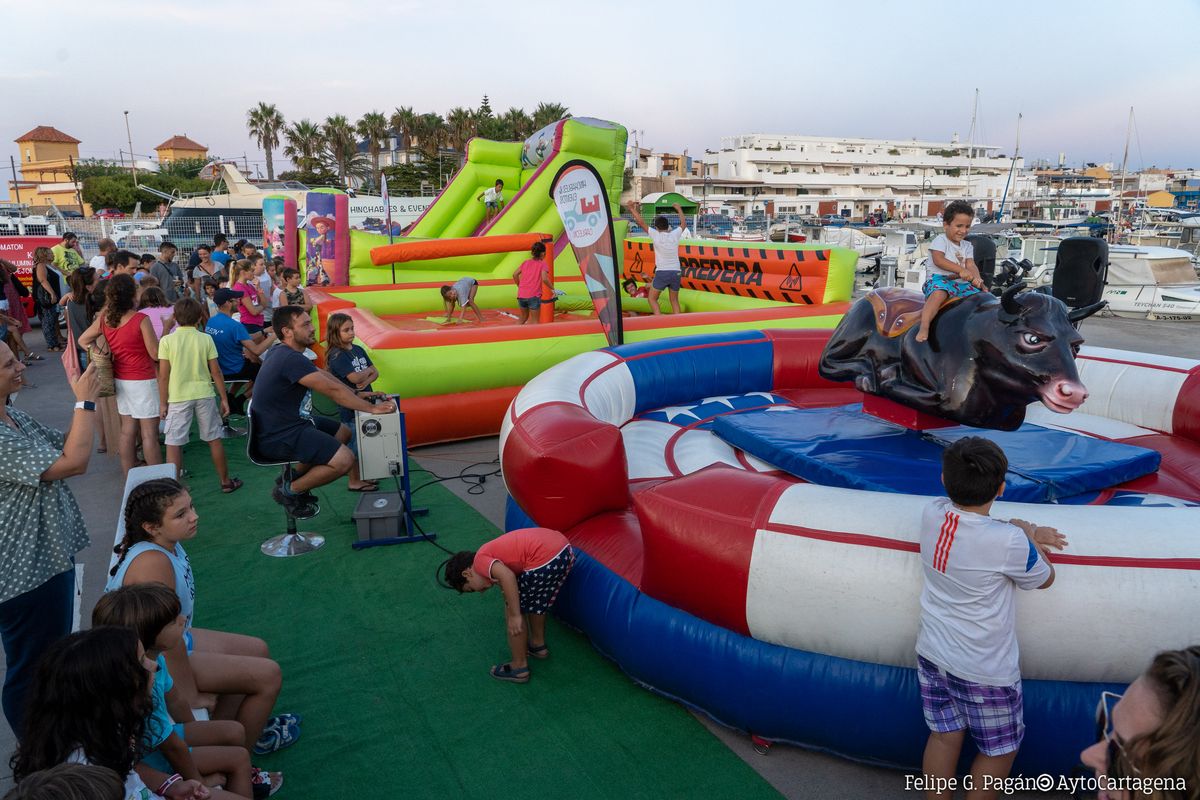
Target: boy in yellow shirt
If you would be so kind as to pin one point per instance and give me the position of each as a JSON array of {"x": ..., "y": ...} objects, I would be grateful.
[{"x": 188, "y": 373}]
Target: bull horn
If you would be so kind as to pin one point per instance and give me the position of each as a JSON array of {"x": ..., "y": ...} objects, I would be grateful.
[
  {"x": 1009, "y": 299},
  {"x": 1080, "y": 314}
]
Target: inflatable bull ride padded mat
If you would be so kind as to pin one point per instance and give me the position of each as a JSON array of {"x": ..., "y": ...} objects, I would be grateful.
[{"x": 845, "y": 447}]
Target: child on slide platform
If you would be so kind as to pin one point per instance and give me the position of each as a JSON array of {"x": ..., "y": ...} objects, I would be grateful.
[
  {"x": 952, "y": 270},
  {"x": 531, "y": 565}
]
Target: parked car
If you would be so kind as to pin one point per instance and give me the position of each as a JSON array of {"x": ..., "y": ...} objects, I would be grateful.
[
  {"x": 110, "y": 213},
  {"x": 833, "y": 219},
  {"x": 71, "y": 215}
]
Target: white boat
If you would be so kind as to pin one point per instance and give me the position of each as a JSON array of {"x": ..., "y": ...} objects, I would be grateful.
[
  {"x": 853, "y": 239},
  {"x": 1152, "y": 283}
]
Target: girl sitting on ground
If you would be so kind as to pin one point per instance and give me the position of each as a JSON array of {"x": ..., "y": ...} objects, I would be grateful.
[
  {"x": 153, "y": 303},
  {"x": 210, "y": 751},
  {"x": 88, "y": 706},
  {"x": 159, "y": 517}
]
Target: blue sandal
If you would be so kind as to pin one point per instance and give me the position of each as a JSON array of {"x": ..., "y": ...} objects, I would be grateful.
[
  {"x": 506, "y": 672},
  {"x": 275, "y": 737},
  {"x": 538, "y": 651}
]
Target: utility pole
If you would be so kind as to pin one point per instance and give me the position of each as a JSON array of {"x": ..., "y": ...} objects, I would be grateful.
[
  {"x": 16, "y": 183},
  {"x": 132, "y": 159},
  {"x": 75, "y": 181}
]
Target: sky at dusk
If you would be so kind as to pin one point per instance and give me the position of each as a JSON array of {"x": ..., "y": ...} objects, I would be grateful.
[{"x": 682, "y": 75}]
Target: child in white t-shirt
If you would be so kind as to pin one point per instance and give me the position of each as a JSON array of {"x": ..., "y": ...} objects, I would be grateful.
[
  {"x": 493, "y": 200},
  {"x": 952, "y": 270},
  {"x": 967, "y": 656},
  {"x": 667, "y": 269}
]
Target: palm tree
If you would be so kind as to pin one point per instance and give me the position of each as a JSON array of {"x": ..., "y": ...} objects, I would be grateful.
[
  {"x": 265, "y": 122},
  {"x": 545, "y": 113},
  {"x": 460, "y": 127},
  {"x": 517, "y": 123},
  {"x": 374, "y": 128},
  {"x": 340, "y": 143},
  {"x": 403, "y": 120},
  {"x": 430, "y": 132},
  {"x": 304, "y": 145}
]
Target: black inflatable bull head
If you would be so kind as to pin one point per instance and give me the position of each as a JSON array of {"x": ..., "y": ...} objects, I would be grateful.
[{"x": 987, "y": 358}]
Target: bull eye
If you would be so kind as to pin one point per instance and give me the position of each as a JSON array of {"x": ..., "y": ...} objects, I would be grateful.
[{"x": 1031, "y": 339}]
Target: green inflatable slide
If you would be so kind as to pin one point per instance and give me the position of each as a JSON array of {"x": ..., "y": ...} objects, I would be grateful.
[{"x": 527, "y": 169}]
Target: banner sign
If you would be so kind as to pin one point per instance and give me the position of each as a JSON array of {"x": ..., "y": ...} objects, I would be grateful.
[
  {"x": 578, "y": 194},
  {"x": 19, "y": 250}
]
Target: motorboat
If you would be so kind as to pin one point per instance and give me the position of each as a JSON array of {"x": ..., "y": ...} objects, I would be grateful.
[{"x": 1152, "y": 283}]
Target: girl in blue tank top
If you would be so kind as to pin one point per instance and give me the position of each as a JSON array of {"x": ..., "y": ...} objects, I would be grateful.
[{"x": 159, "y": 517}]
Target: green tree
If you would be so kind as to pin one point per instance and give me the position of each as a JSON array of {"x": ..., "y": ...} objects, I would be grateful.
[
  {"x": 340, "y": 144},
  {"x": 485, "y": 108},
  {"x": 430, "y": 133},
  {"x": 90, "y": 167},
  {"x": 545, "y": 113},
  {"x": 413, "y": 179},
  {"x": 374, "y": 128},
  {"x": 183, "y": 167},
  {"x": 304, "y": 146},
  {"x": 265, "y": 124},
  {"x": 403, "y": 120},
  {"x": 517, "y": 124},
  {"x": 460, "y": 127}
]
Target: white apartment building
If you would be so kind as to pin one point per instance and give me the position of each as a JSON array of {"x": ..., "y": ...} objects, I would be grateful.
[{"x": 781, "y": 174}]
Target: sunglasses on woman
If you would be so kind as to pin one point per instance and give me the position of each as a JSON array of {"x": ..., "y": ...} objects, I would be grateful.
[{"x": 1120, "y": 765}]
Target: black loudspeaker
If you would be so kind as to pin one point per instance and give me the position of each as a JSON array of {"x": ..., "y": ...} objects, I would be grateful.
[
  {"x": 985, "y": 256},
  {"x": 1080, "y": 269}
]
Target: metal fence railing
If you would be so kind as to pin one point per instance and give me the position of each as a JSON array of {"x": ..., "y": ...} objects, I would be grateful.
[{"x": 145, "y": 234}]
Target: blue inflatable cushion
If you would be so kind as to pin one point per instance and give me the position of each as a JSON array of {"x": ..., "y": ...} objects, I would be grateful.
[{"x": 847, "y": 448}]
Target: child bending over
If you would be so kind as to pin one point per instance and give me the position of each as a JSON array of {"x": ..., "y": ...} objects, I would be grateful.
[
  {"x": 463, "y": 293},
  {"x": 531, "y": 565},
  {"x": 952, "y": 270}
]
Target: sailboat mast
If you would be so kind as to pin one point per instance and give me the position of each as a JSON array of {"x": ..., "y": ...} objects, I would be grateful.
[
  {"x": 1124, "y": 164},
  {"x": 1011, "y": 168},
  {"x": 971, "y": 144}
]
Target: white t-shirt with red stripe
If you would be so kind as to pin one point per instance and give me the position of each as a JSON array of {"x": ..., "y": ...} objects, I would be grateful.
[{"x": 968, "y": 617}]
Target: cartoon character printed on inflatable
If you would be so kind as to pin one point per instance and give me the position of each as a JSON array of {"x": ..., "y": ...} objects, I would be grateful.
[{"x": 985, "y": 361}]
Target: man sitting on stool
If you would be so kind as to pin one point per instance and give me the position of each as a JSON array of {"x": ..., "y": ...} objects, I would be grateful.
[{"x": 319, "y": 444}]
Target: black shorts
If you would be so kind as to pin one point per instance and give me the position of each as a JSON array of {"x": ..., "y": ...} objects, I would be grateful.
[
  {"x": 307, "y": 444},
  {"x": 248, "y": 372},
  {"x": 252, "y": 328}
]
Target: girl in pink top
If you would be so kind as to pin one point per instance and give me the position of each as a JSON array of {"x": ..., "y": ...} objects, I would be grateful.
[
  {"x": 530, "y": 277},
  {"x": 134, "y": 348},
  {"x": 153, "y": 304},
  {"x": 251, "y": 306},
  {"x": 531, "y": 565}
]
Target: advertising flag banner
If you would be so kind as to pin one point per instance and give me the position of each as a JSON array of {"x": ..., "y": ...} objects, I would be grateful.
[{"x": 579, "y": 195}]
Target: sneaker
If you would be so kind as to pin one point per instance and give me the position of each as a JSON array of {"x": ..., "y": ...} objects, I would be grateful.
[
  {"x": 275, "y": 738},
  {"x": 264, "y": 784},
  {"x": 298, "y": 505}
]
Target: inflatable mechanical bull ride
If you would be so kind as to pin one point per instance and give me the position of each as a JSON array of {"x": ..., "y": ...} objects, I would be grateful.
[{"x": 748, "y": 535}]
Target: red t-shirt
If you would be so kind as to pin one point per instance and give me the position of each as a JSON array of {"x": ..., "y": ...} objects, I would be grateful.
[
  {"x": 530, "y": 282},
  {"x": 519, "y": 550},
  {"x": 131, "y": 360}
]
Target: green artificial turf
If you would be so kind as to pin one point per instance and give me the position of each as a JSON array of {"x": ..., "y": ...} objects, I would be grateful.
[{"x": 389, "y": 670}]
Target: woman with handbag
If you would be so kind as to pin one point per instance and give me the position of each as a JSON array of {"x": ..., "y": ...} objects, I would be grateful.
[
  {"x": 47, "y": 289},
  {"x": 133, "y": 348}
]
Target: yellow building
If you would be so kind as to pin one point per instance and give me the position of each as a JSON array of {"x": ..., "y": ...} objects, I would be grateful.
[
  {"x": 46, "y": 156},
  {"x": 178, "y": 148},
  {"x": 1160, "y": 200}
]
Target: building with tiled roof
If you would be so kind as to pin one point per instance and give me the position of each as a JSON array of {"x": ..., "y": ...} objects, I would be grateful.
[
  {"x": 180, "y": 147},
  {"x": 47, "y": 157}
]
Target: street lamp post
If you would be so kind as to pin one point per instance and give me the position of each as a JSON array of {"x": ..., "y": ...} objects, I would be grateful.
[{"x": 925, "y": 183}]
